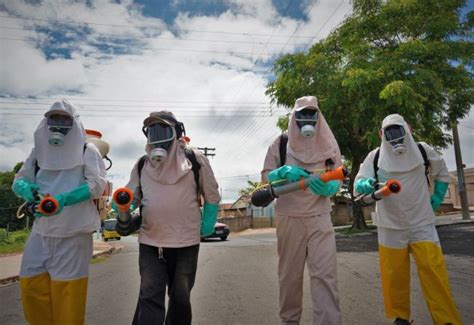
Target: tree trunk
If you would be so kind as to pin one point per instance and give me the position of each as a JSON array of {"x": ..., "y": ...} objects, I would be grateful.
[{"x": 357, "y": 212}]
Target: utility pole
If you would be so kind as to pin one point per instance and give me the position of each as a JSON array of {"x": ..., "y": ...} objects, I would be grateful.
[
  {"x": 460, "y": 172},
  {"x": 208, "y": 152}
]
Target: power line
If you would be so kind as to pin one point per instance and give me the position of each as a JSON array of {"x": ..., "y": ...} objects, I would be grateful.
[
  {"x": 320, "y": 29},
  {"x": 254, "y": 63},
  {"x": 229, "y": 52},
  {"x": 208, "y": 152},
  {"x": 132, "y": 114},
  {"x": 199, "y": 105},
  {"x": 155, "y": 26},
  {"x": 133, "y": 100},
  {"x": 157, "y": 37}
]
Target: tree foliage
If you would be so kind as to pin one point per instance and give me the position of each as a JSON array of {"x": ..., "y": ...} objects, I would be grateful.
[
  {"x": 251, "y": 187},
  {"x": 408, "y": 57},
  {"x": 9, "y": 202}
]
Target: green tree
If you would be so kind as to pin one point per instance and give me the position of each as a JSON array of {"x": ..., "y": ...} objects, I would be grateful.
[
  {"x": 9, "y": 202},
  {"x": 251, "y": 186},
  {"x": 408, "y": 57}
]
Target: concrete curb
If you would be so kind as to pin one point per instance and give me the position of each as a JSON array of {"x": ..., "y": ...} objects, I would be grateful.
[
  {"x": 14, "y": 279},
  {"x": 105, "y": 252},
  {"x": 455, "y": 223},
  {"x": 10, "y": 280}
]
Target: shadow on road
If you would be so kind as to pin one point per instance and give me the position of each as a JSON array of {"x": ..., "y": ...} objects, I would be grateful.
[
  {"x": 455, "y": 240},
  {"x": 357, "y": 244}
]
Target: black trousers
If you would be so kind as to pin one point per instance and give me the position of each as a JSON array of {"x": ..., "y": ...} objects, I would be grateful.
[{"x": 172, "y": 267}]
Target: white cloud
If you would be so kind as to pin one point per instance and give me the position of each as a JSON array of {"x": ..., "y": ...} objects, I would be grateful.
[{"x": 198, "y": 76}]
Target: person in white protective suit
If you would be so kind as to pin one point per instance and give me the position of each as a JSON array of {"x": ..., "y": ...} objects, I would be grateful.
[
  {"x": 406, "y": 221},
  {"x": 55, "y": 265},
  {"x": 305, "y": 233}
]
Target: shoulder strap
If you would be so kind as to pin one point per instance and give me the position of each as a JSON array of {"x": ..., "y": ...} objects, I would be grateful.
[
  {"x": 37, "y": 167},
  {"x": 283, "y": 143},
  {"x": 141, "y": 163},
  {"x": 195, "y": 168},
  {"x": 426, "y": 162},
  {"x": 189, "y": 155},
  {"x": 376, "y": 167}
]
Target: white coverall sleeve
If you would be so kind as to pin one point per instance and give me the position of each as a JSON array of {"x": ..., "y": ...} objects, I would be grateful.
[
  {"x": 272, "y": 160},
  {"x": 438, "y": 169},
  {"x": 366, "y": 169},
  {"x": 133, "y": 183},
  {"x": 27, "y": 171},
  {"x": 208, "y": 183},
  {"x": 94, "y": 172}
]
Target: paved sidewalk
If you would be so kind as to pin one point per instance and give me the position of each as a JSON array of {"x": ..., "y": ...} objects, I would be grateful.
[{"x": 10, "y": 264}]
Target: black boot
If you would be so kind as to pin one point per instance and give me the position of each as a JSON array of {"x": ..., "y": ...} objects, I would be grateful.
[{"x": 400, "y": 321}]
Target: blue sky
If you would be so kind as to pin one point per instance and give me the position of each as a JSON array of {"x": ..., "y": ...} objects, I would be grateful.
[{"x": 208, "y": 61}]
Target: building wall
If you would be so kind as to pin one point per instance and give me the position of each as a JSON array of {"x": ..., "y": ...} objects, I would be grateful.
[
  {"x": 237, "y": 224},
  {"x": 452, "y": 195}
]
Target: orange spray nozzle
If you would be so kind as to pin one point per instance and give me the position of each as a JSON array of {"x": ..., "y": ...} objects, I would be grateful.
[
  {"x": 337, "y": 174},
  {"x": 123, "y": 198},
  {"x": 390, "y": 187},
  {"x": 48, "y": 205}
]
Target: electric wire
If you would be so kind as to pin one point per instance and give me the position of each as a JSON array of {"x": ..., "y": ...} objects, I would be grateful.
[{"x": 147, "y": 25}]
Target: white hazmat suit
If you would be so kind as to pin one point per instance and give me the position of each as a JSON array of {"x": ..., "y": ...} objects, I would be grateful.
[
  {"x": 55, "y": 265},
  {"x": 406, "y": 224}
]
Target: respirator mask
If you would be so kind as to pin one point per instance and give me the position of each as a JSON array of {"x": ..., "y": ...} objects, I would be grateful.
[
  {"x": 395, "y": 135},
  {"x": 160, "y": 137},
  {"x": 306, "y": 120},
  {"x": 59, "y": 126}
]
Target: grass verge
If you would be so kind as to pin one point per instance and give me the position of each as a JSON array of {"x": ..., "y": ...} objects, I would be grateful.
[{"x": 13, "y": 242}]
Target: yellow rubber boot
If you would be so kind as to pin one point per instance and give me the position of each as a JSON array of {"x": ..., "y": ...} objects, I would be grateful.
[
  {"x": 69, "y": 301},
  {"x": 36, "y": 299},
  {"x": 435, "y": 283},
  {"x": 395, "y": 274}
]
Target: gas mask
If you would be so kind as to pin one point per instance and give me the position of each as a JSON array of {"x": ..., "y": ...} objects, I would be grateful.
[
  {"x": 395, "y": 135},
  {"x": 306, "y": 120},
  {"x": 59, "y": 126},
  {"x": 160, "y": 137}
]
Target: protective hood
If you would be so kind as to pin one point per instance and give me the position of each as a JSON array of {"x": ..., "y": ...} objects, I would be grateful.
[
  {"x": 390, "y": 162},
  {"x": 175, "y": 166},
  {"x": 321, "y": 146},
  {"x": 70, "y": 154}
]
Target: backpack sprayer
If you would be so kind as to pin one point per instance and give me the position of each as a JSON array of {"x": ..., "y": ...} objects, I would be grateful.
[
  {"x": 265, "y": 195},
  {"x": 392, "y": 186},
  {"x": 46, "y": 205},
  {"x": 126, "y": 223}
]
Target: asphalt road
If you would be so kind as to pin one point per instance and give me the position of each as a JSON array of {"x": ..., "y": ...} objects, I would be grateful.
[{"x": 237, "y": 282}]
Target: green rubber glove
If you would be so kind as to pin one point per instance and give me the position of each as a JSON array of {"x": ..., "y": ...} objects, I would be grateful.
[
  {"x": 77, "y": 195},
  {"x": 437, "y": 198},
  {"x": 25, "y": 189},
  {"x": 209, "y": 218},
  {"x": 318, "y": 187},
  {"x": 292, "y": 173},
  {"x": 365, "y": 185}
]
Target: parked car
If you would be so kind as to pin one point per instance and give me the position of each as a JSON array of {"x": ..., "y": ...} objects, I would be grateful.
[
  {"x": 109, "y": 231},
  {"x": 221, "y": 230}
]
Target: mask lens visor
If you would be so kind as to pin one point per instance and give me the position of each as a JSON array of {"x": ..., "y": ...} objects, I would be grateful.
[
  {"x": 60, "y": 121},
  {"x": 159, "y": 133},
  {"x": 395, "y": 134},
  {"x": 306, "y": 116}
]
